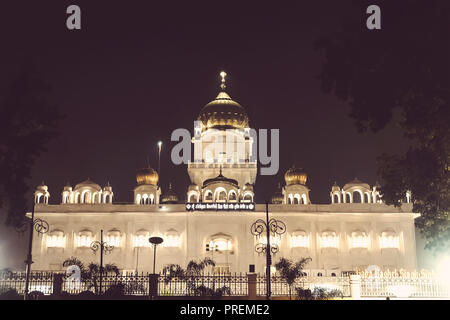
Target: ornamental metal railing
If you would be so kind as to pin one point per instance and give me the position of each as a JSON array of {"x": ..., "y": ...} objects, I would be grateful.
[
  {"x": 40, "y": 281},
  {"x": 404, "y": 287},
  {"x": 371, "y": 285},
  {"x": 279, "y": 287},
  {"x": 204, "y": 285}
]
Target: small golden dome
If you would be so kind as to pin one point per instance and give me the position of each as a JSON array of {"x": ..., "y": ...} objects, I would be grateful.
[
  {"x": 169, "y": 197},
  {"x": 147, "y": 176},
  {"x": 295, "y": 176}
]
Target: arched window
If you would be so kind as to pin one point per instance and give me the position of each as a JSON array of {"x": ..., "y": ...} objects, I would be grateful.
[
  {"x": 347, "y": 197},
  {"x": 359, "y": 239},
  {"x": 336, "y": 198},
  {"x": 56, "y": 239},
  {"x": 329, "y": 239},
  {"x": 113, "y": 238},
  {"x": 299, "y": 239},
  {"x": 193, "y": 198},
  {"x": 357, "y": 197},
  {"x": 208, "y": 195},
  {"x": 220, "y": 242},
  {"x": 232, "y": 196},
  {"x": 86, "y": 197},
  {"x": 172, "y": 239},
  {"x": 221, "y": 196},
  {"x": 248, "y": 197},
  {"x": 389, "y": 239},
  {"x": 85, "y": 238},
  {"x": 296, "y": 200},
  {"x": 141, "y": 239}
]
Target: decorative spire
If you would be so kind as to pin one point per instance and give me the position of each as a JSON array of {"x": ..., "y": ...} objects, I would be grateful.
[
  {"x": 223, "y": 74},
  {"x": 220, "y": 172}
]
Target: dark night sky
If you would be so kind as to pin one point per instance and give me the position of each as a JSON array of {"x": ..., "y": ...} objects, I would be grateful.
[{"x": 137, "y": 71}]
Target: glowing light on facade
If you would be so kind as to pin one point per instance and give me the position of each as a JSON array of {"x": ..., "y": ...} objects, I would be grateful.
[
  {"x": 172, "y": 239},
  {"x": 56, "y": 240},
  {"x": 359, "y": 239},
  {"x": 329, "y": 239},
  {"x": 388, "y": 240},
  {"x": 299, "y": 239}
]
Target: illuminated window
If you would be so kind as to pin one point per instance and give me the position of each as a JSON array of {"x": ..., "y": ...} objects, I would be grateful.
[
  {"x": 248, "y": 198},
  {"x": 221, "y": 196},
  {"x": 113, "y": 238},
  {"x": 141, "y": 239},
  {"x": 84, "y": 239},
  {"x": 56, "y": 239},
  {"x": 299, "y": 239},
  {"x": 359, "y": 239},
  {"x": 389, "y": 239},
  {"x": 220, "y": 242},
  {"x": 171, "y": 239},
  {"x": 329, "y": 239}
]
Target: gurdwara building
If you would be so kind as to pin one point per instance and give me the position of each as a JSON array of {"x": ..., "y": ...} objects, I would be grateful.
[{"x": 355, "y": 230}]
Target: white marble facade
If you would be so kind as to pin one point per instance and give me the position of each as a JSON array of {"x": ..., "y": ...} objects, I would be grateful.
[{"x": 354, "y": 231}]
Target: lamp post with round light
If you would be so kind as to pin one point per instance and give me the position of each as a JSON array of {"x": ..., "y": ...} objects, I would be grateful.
[
  {"x": 274, "y": 227},
  {"x": 104, "y": 248},
  {"x": 155, "y": 241},
  {"x": 41, "y": 227}
]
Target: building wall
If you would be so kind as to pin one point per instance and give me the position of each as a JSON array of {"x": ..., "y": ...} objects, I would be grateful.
[{"x": 196, "y": 229}]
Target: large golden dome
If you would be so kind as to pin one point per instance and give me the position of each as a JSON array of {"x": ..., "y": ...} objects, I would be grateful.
[
  {"x": 147, "y": 176},
  {"x": 295, "y": 176},
  {"x": 223, "y": 112}
]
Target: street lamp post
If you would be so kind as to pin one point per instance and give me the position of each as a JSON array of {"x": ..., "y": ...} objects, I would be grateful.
[
  {"x": 155, "y": 241},
  {"x": 274, "y": 227},
  {"x": 159, "y": 158},
  {"x": 41, "y": 227},
  {"x": 104, "y": 249}
]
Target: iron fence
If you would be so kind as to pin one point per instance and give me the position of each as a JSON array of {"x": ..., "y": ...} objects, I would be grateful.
[
  {"x": 132, "y": 283},
  {"x": 223, "y": 285},
  {"x": 39, "y": 281},
  {"x": 279, "y": 286},
  {"x": 206, "y": 284}
]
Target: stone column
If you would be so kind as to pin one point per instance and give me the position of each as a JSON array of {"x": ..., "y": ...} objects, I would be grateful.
[
  {"x": 57, "y": 284},
  {"x": 355, "y": 286},
  {"x": 153, "y": 285},
  {"x": 251, "y": 278}
]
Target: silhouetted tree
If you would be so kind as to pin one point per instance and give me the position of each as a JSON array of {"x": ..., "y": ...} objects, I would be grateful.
[
  {"x": 91, "y": 274},
  {"x": 191, "y": 274},
  {"x": 291, "y": 271},
  {"x": 27, "y": 123},
  {"x": 404, "y": 67}
]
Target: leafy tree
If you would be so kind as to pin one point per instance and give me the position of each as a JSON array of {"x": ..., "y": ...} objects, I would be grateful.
[
  {"x": 400, "y": 73},
  {"x": 27, "y": 123},
  {"x": 190, "y": 276},
  {"x": 291, "y": 271},
  {"x": 91, "y": 274}
]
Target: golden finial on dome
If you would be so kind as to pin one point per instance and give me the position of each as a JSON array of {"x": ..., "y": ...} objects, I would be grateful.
[{"x": 223, "y": 74}]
